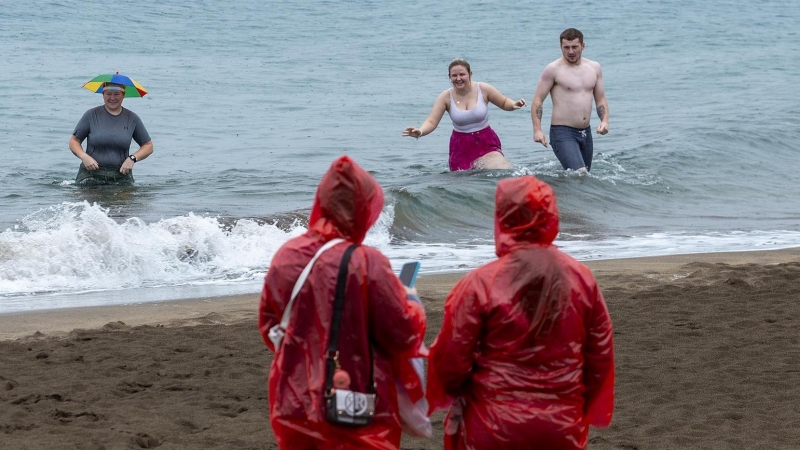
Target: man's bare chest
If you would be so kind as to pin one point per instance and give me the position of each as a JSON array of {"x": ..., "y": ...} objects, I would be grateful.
[{"x": 576, "y": 80}]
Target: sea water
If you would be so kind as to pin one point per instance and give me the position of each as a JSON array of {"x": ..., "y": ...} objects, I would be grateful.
[{"x": 249, "y": 102}]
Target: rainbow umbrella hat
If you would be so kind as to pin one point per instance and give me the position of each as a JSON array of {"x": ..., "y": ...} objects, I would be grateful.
[{"x": 132, "y": 87}]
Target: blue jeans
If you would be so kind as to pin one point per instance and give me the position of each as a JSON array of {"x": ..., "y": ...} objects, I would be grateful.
[{"x": 573, "y": 147}]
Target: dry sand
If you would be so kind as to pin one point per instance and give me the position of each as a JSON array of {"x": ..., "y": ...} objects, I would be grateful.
[{"x": 708, "y": 356}]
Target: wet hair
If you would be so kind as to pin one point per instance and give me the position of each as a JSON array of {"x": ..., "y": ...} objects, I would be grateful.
[
  {"x": 458, "y": 62},
  {"x": 570, "y": 34}
]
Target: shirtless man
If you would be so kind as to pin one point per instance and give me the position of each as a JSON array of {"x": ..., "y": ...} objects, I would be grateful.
[{"x": 571, "y": 81}]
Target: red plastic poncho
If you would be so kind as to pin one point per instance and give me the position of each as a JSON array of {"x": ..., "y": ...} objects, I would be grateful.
[
  {"x": 518, "y": 376},
  {"x": 347, "y": 203}
]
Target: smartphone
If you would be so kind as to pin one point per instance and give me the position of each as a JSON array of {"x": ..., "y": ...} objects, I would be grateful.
[{"x": 408, "y": 274}]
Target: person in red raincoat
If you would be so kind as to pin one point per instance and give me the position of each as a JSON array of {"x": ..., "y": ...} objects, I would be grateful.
[
  {"x": 376, "y": 311},
  {"x": 525, "y": 356}
]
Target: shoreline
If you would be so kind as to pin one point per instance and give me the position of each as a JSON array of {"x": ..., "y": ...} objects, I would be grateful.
[{"x": 227, "y": 309}]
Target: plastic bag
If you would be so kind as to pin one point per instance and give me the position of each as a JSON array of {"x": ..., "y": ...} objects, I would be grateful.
[{"x": 414, "y": 416}]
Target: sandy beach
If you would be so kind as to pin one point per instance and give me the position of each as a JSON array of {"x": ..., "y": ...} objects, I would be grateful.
[{"x": 707, "y": 352}]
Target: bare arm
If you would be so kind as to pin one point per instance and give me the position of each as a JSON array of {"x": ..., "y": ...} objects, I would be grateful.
[
  {"x": 430, "y": 124},
  {"x": 601, "y": 102},
  {"x": 77, "y": 149},
  {"x": 500, "y": 100},
  {"x": 546, "y": 82},
  {"x": 143, "y": 152}
]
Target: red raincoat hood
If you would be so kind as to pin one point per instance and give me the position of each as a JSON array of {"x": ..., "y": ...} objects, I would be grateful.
[
  {"x": 347, "y": 203},
  {"x": 525, "y": 213}
]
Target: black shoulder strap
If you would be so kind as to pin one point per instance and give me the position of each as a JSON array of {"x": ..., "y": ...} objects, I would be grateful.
[
  {"x": 336, "y": 323},
  {"x": 338, "y": 304}
]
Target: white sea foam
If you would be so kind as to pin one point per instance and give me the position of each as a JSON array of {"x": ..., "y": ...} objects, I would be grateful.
[{"x": 77, "y": 248}]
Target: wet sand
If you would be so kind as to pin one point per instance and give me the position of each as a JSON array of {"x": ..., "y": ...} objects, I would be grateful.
[{"x": 707, "y": 345}]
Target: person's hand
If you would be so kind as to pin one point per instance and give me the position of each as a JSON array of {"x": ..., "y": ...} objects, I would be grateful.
[
  {"x": 539, "y": 136},
  {"x": 602, "y": 128},
  {"x": 519, "y": 103},
  {"x": 90, "y": 164},
  {"x": 127, "y": 166},
  {"x": 411, "y": 291},
  {"x": 412, "y": 132}
]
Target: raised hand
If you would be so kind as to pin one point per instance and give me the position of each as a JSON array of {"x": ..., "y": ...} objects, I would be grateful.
[{"x": 412, "y": 132}]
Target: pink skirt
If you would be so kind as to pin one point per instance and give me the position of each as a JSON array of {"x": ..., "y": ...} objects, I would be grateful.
[{"x": 465, "y": 148}]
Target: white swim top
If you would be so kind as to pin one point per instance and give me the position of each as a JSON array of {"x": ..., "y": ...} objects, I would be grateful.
[{"x": 470, "y": 120}]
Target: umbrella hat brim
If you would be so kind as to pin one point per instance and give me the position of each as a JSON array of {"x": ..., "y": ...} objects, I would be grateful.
[{"x": 132, "y": 87}]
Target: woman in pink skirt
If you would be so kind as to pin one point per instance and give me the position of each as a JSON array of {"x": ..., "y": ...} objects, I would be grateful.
[{"x": 473, "y": 144}]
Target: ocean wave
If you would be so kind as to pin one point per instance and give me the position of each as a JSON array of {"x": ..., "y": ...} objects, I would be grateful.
[{"x": 78, "y": 247}]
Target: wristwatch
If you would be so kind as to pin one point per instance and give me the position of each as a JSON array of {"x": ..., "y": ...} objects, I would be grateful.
[{"x": 132, "y": 157}]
